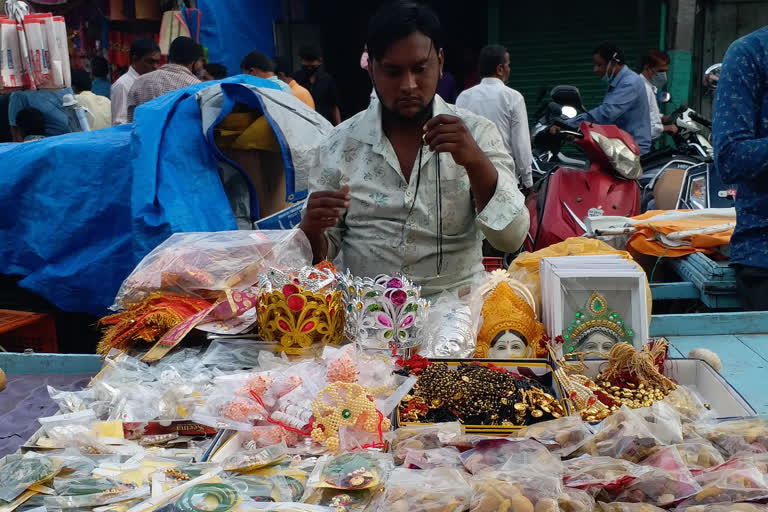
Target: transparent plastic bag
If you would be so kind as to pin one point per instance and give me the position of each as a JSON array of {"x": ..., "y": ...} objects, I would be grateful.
[
  {"x": 247, "y": 461},
  {"x": 507, "y": 454},
  {"x": 736, "y": 480},
  {"x": 429, "y": 490},
  {"x": 231, "y": 355},
  {"x": 575, "y": 500},
  {"x": 452, "y": 327},
  {"x": 627, "y": 507},
  {"x": 561, "y": 436},
  {"x": 688, "y": 404},
  {"x": 624, "y": 434},
  {"x": 598, "y": 474},
  {"x": 352, "y": 471},
  {"x": 499, "y": 490},
  {"x": 700, "y": 455},
  {"x": 447, "y": 456},
  {"x": 669, "y": 482},
  {"x": 190, "y": 262},
  {"x": 18, "y": 474},
  {"x": 736, "y": 437},
  {"x": 421, "y": 437},
  {"x": 729, "y": 507},
  {"x": 274, "y": 488},
  {"x": 116, "y": 494}
]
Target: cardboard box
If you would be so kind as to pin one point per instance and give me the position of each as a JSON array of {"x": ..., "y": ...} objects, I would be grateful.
[
  {"x": 698, "y": 375},
  {"x": 542, "y": 370}
]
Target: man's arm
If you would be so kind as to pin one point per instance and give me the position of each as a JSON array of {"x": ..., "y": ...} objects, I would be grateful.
[
  {"x": 520, "y": 138},
  {"x": 614, "y": 105},
  {"x": 502, "y": 215},
  {"x": 740, "y": 156}
]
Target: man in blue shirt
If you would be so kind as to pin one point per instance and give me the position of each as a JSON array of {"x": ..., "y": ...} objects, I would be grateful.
[
  {"x": 101, "y": 85},
  {"x": 259, "y": 65},
  {"x": 625, "y": 103},
  {"x": 46, "y": 101},
  {"x": 740, "y": 132}
]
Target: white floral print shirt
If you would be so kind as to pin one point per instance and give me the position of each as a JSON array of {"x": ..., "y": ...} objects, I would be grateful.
[{"x": 382, "y": 233}]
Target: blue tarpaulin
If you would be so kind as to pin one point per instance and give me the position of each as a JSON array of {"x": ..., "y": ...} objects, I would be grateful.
[
  {"x": 231, "y": 30},
  {"x": 78, "y": 211}
]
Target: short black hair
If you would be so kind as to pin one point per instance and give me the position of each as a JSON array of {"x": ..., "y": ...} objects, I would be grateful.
[
  {"x": 100, "y": 67},
  {"x": 283, "y": 65},
  {"x": 184, "y": 51},
  {"x": 491, "y": 57},
  {"x": 310, "y": 51},
  {"x": 81, "y": 80},
  {"x": 216, "y": 70},
  {"x": 609, "y": 51},
  {"x": 143, "y": 46},
  {"x": 654, "y": 58},
  {"x": 31, "y": 121},
  {"x": 398, "y": 20},
  {"x": 257, "y": 60}
]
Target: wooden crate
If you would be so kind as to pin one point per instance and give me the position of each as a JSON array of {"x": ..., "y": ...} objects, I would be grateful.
[
  {"x": 715, "y": 280},
  {"x": 20, "y": 330}
]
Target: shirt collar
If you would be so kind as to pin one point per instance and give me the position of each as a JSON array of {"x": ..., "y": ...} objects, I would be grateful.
[
  {"x": 491, "y": 80},
  {"x": 178, "y": 68},
  {"x": 132, "y": 72},
  {"x": 619, "y": 76},
  {"x": 368, "y": 127}
]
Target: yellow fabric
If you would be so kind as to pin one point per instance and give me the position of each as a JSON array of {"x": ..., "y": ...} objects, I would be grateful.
[
  {"x": 302, "y": 93},
  {"x": 246, "y": 130},
  {"x": 527, "y": 264},
  {"x": 644, "y": 241}
]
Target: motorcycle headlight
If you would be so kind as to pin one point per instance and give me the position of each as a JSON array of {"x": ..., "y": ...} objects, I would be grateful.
[
  {"x": 697, "y": 193},
  {"x": 625, "y": 162}
]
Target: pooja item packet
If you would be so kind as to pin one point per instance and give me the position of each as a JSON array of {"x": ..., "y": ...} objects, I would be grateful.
[{"x": 428, "y": 490}]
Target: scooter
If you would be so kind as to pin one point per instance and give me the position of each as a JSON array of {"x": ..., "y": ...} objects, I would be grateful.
[{"x": 563, "y": 196}]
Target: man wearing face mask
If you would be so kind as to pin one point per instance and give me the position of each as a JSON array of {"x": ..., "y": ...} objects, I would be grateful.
[
  {"x": 319, "y": 83},
  {"x": 412, "y": 185},
  {"x": 185, "y": 61},
  {"x": 655, "y": 66},
  {"x": 625, "y": 103}
]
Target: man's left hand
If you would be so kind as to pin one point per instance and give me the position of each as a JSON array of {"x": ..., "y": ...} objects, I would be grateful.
[{"x": 448, "y": 134}]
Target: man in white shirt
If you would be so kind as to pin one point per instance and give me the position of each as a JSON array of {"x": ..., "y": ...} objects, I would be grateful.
[
  {"x": 504, "y": 106},
  {"x": 655, "y": 66},
  {"x": 145, "y": 57}
]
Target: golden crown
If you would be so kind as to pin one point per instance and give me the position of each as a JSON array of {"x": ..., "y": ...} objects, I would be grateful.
[
  {"x": 504, "y": 310},
  {"x": 299, "y": 308}
]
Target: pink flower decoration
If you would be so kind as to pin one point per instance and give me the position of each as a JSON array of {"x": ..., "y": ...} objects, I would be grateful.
[{"x": 394, "y": 283}]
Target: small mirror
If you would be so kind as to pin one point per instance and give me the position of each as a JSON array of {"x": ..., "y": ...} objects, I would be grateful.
[
  {"x": 568, "y": 112},
  {"x": 665, "y": 97},
  {"x": 712, "y": 76},
  {"x": 567, "y": 95}
]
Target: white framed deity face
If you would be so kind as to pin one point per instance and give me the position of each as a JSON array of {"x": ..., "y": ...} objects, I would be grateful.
[{"x": 508, "y": 345}]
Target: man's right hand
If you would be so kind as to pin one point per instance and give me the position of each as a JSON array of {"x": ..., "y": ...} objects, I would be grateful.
[{"x": 324, "y": 209}]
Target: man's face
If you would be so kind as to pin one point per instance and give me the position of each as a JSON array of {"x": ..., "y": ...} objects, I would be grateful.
[
  {"x": 406, "y": 76},
  {"x": 311, "y": 64},
  {"x": 600, "y": 65},
  {"x": 147, "y": 63},
  {"x": 505, "y": 69}
]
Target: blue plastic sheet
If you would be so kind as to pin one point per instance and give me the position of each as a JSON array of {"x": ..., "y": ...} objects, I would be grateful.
[
  {"x": 231, "y": 30},
  {"x": 79, "y": 211}
]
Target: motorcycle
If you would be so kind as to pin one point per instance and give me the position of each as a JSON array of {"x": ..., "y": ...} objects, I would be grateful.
[{"x": 563, "y": 195}]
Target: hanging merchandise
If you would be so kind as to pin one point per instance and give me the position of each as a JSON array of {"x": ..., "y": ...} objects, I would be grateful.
[
  {"x": 11, "y": 64},
  {"x": 172, "y": 26},
  {"x": 192, "y": 18}
]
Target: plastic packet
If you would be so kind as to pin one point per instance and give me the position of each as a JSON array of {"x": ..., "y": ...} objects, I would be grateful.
[
  {"x": 688, "y": 404},
  {"x": 736, "y": 480},
  {"x": 736, "y": 437},
  {"x": 669, "y": 482},
  {"x": 352, "y": 471},
  {"x": 447, "y": 456},
  {"x": 18, "y": 474},
  {"x": 342, "y": 500},
  {"x": 115, "y": 494},
  {"x": 729, "y": 507},
  {"x": 421, "y": 437},
  {"x": 575, "y": 500},
  {"x": 294, "y": 474},
  {"x": 508, "y": 454},
  {"x": 627, "y": 507},
  {"x": 71, "y": 401},
  {"x": 189, "y": 262},
  {"x": 351, "y": 438},
  {"x": 663, "y": 421},
  {"x": 243, "y": 462},
  {"x": 452, "y": 326},
  {"x": 596, "y": 474},
  {"x": 285, "y": 507},
  {"x": 275, "y": 488},
  {"x": 231, "y": 355},
  {"x": 561, "y": 436},
  {"x": 701, "y": 455},
  {"x": 498, "y": 490},
  {"x": 624, "y": 434},
  {"x": 428, "y": 490}
]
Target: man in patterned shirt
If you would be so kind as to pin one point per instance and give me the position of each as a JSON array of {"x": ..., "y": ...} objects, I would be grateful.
[
  {"x": 185, "y": 60},
  {"x": 740, "y": 133},
  {"x": 413, "y": 184}
]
